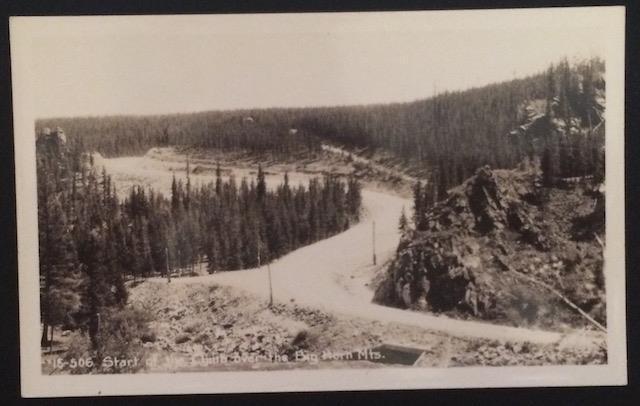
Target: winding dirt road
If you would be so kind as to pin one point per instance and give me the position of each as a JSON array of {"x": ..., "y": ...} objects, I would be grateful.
[{"x": 331, "y": 275}]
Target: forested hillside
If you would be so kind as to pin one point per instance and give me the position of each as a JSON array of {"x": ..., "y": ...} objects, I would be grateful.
[
  {"x": 233, "y": 226},
  {"x": 90, "y": 242},
  {"x": 522, "y": 246},
  {"x": 452, "y": 133}
]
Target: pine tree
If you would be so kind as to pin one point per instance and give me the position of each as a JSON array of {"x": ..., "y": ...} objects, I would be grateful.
[
  {"x": 91, "y": 258},
  {"x": 147, "y": 266},
  {"x": 60, "y": 279},
  {"x": 187, "y": 196},
  {"x": 119, "y": 247},
  {"x": 135, "y": 255},
  {"x": 418, "y": 204},
  {"x": 175, "y": 195},
  {"x": 403, "y": 223},
  {"x": 354, "y": 198},
  {"x": 213, "y": 254},
  {"x": 550, "y": 91},
  {"x": 261, "y": 187},
  {"x": 218, "y": 180}
]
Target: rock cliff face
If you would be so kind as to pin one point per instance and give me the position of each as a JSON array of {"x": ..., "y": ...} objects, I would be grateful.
[{"x": 495, "y": 223}]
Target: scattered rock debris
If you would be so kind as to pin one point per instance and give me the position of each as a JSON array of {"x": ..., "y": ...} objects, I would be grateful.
[{"x": 238, "y": 324}]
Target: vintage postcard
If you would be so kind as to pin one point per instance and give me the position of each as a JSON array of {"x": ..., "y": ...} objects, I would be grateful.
[{"x": 320, "y": 201}]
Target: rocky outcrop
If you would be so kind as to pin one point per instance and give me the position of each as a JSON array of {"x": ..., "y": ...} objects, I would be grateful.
[
  {"x": 493, "y": 223},
  {"x": 56, "y": 137}
]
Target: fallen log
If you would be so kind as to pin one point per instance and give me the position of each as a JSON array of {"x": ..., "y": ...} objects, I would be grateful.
[
  {"x": 599, "y": 240},
  {"x": 562, "y": 297}
]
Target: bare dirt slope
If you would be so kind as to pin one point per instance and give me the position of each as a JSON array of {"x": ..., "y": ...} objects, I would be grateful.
[{"x": 195, "y": 325}]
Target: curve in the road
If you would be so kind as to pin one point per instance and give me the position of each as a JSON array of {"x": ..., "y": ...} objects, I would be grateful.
[{"x": 330, "y": 275}]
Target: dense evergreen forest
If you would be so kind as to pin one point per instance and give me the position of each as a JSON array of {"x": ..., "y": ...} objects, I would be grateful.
[
  {"x": 234, "y": 226},
  {"x": 563, "y": 135},
  {"x": 90, "y": 242},
  {"x": 452, "y": 133}
]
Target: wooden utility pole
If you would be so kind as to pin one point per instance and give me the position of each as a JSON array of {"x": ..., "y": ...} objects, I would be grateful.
[
  {"x": 258, "y": 254},
  {"x": 270, "y": 286},
  {"x": 166, "y": 256},
  {"x": 374, "y": 242},
  {"x": 179, "y": 263},
  {"x": 269, "y": 274}
]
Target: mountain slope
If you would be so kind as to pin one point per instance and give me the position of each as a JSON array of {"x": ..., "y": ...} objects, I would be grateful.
[{"x": 452, "y": 133}]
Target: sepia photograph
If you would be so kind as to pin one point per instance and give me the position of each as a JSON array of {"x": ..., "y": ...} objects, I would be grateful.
[{"x": 320, "y": 201}]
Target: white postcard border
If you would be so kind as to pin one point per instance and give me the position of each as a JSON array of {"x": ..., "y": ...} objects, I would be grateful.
[{"x": 610, "y": 20}]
